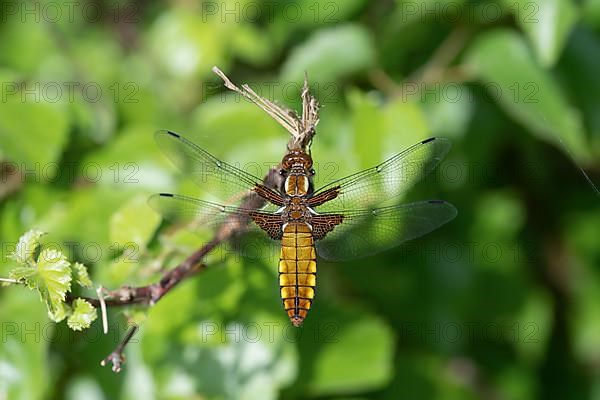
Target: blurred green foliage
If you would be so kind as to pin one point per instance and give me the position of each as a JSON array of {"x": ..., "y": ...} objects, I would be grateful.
[{"x": 501, "y": 303}]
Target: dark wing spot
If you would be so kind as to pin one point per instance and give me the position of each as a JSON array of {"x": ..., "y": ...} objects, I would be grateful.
[
  {"x": 323, "y": 224},
  {"x": 436, "y": 201},
  {"x": 269, "y": 223}
]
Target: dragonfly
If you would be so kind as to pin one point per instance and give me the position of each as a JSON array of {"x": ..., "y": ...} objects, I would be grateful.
[{"x": 352, "y": 217}]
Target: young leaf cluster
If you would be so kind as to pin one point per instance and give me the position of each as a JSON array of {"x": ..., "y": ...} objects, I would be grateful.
[{"x": 48, "y": 271}]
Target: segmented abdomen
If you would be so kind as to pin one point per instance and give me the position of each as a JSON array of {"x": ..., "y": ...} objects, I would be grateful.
[{"x": 297, "y": 271}]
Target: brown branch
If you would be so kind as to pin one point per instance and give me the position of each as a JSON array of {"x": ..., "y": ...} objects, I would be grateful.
[
  {"x": 150, "y": 294},
  {"x": 302, "y": 133},
  {"x": 117, "y": 358},
  {"x": 12, "y": 179}
]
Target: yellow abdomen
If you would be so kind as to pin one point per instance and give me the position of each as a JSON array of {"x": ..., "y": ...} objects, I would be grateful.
[{"x": 297, "y": 271}]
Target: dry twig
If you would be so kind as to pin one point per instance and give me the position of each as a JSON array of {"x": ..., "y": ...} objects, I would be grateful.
[{"x": 302, "y": 128}]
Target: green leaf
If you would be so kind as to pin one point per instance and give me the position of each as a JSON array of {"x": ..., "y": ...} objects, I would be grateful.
[
  {"x": 405, "y": 125},
  {"x": 242, "y": 123},
  {"x": 25, "y": 41},
  {"x": 64, "y": 219},
  {"x": 330, "y": 54},
  {"x": 547, "y": 24},
  {"x": 120, "y": 271},
  {"x": 340, "y": 365},
  {"x": 81, "y": 275},
  {"x": 381, "y": 130},
  {"x": 527, "y": 93},
  {"x": 42, "y": 123},
  {"x": 186, "y": 44},
  {"x": 53, "y": 277},
  {"x": 534, "y": 323},
  {"x": 26, "y": 247},
  {"x": 134, "y": 223},
  {"x": 24, "y": 359},
  {"x": 25, "y": 275},
  {"x": 367, "y": 124},
  {"x": 578, "y": 69},
  {"x": 590, "y": 13},
  {"x": 83, "y": 315},
  {"x": 301, "y": 15},
  {"x": 252, "y": 45},
  {"x": 499, "y": 216},
  {"x": 60, "y": 312},
  {"x": 119, "y": 166},
  {"x": 50, "y": 275},
  {"x": 448, "y": 109}
]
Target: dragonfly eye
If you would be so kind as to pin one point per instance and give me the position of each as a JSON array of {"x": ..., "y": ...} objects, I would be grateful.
[
  {"x": 312, "y": 171},
  {"x": 282, "y": 172}
]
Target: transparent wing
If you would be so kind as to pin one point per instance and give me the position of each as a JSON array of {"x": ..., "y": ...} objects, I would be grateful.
[
  {"x": 199, "y": 215},
  {"x": 366, "y": 232},
  {"x": 222, "y": 180},
  {"x": 387, "y": 180}
]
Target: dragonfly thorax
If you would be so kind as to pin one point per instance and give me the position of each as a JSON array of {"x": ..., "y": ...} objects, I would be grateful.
[
  {"x": 297, "y": 185},
  {"x": 296, "y": 210},
  {"x": 297, "y": 169}
]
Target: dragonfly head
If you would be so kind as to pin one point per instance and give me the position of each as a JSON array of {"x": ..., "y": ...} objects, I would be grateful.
[{"x": 297, "y": 161}]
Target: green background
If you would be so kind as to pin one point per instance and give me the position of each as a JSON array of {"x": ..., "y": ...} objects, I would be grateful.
[{"x": 501, "y": 303}]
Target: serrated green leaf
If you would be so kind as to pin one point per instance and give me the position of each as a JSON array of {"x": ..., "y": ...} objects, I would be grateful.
[
  {"x": 83, "y": 315},
  {"x": 60, "y": 312},
  {"x": 50, "y": 274},
  {"x": 81, "y": 275},
  {"x": 54, "y": 275},
  {"x": 25, "y": 275},
  {"x": 26, "y": 247}
]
